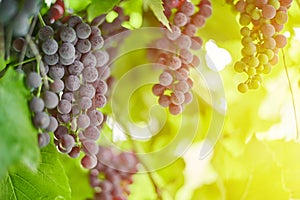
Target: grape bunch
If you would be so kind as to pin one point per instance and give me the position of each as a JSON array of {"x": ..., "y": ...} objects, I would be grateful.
[
  {"x": 261, "y": 21},
  {"x": 17, "y": 14},
  {"x": 174, "y": 53},
  {"x": 69, "y": 86},
  {"x": 112, "y": 182}
]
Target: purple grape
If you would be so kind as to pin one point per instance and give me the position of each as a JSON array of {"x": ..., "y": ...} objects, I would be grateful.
[
  {"x": 43, "y": 139},
  {"x": 102, "y": 57},
  {"x": 89, "y": 161},
  {"x": 96, "y": 117},
  {"x": 87, "y": 90},
  {"x": 83, "y": 45},
  {"x": 67, "y": 34},
  {"x": 75, "y": 152},
  {"x": 49, "y": 46},
  {"x": 51, "y": 59},
  {"x": 90, "y": 74},
  {"x": 83, "y": 121},
  {"x": 91, "y": 132},
  {"x": 46, "y": 32},
  {"x": 100, "y": 86},
  {"x": 64, "y": 106},
  {"x": 36, "y": 104},
  {"x": 76, "y": 68},
  {"x": 56, "y": 71},
  {"x": 90, "y": 147},
  {"x": 83, "y": 30},
  {"x": 41, "y": 120},
  {"x": 67, "y": 50},
  {"x": 50, "y": 99},
  {"x": 100, "y": 100},
  {"x": 97, "y": 41},
  {"x": 57, "y": 86},
  {"x": 74, "y": 21},
  {"x": 33, "y": 80},
  {"x": 72, "y": 83},
  {"x": 89, "y": 60},
  {"x": 85, "y": 103}
]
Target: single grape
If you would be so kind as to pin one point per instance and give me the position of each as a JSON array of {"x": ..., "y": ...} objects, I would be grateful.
[
  {"x": 49, "y": 46},
  {"x": 242, "y": 87},
  {"x": 100, "y": 101},
  {"x": 56, "y": 71},
  {"x": 188, "y": 97},
  {"x": 57, "y": 86},
  {"x": 164, "y": 100},
  {"x": 76, "y": 68},
  {"x": 89, "y": 161},
  {"x": 67, "y": 142},
  {"x": 100, "y": 87},
  {"x": 198, "y": 20},
  {"x": 41, "y": 120},
  {"x": 74, "y": 21},
  {"x": 75, "y": 152},
  {"x": 83, "y": 121},
  {"x": 175, "y": 109},
  {"x": 90, "y": 147},
  {"x": 63, "y": 118},
  {"x": 182, "y": 74},
  {"x": 281, "y": 40},
  {"x": 46, "y": 32},
  {"x": 51, "y": 59},
  {"x": 190, "y": 30},
  {"x": 91, "y": 132},
  {"x": 184, "y": 42},
  {"x": 18, "y": 44},
  {"x": 33, "y": 80},
  {"x": 90, "y": 74},
  {"x": 87, "y": 90},
  {"x": 158, "y": 89},
  {"x": 89, "y": 60},
  {"x": 174, "y": 63},
  {"x": 205, "y": 11},
  {"x": 268, "y": 11},
  {"x": 186, "y": 56},
  {"x": 182, "y": 86},
  {"x": 36, "y": 104},
  {"x": 83, "y": 30},
  {"x": 67, "y": 34},
  {"x": 102, "y": 57},
  {"x": 177, "y": 97},
  {"x": 75, "y": 110},
  {"x": 95, "y": 30},
  {"x": 50, "y": 99},
  {"x": 85, "y": 103},
  {"x": 67, "y": 50},
  {"x": 97, "y": 41},
  {"x": 43, "y": 139},
  {"x": 83, "y": 46},
  {"x": 96, "y": 117},
  {"x": 165, "y": 78},
  {"x": 60, "y": 131},
  {"x": 68, "y": 96},
  {"x": 52, "y": 125},
  {"x": 174, "y": 34},
  {"x": 64, "y": 106},
  {"x": 180, "y": 19},
  {"x": 187, "y": 8},
  {"x": 72, "y": 83}
]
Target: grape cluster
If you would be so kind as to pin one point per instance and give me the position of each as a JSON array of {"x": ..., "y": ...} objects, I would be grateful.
[
  {"x": 112, "y": 182},
  {"x": 261, "y": 22},
  {"x": 17, "y": 14},
  {"x": 173, "y": 52},
  {"x": 69, "y": 86}
]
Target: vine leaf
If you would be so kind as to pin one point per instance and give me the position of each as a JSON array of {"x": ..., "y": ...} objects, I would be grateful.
[
  {"x": 18, "y": 136},
  {"x": 49, "y": 182},
  {"x": 157, "y": 8},
  {"x": 98, "y": 7}
]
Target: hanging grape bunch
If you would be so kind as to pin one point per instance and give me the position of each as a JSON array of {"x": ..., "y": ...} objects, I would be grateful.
[
  {"x": 174, "y": 52},
  {"x": 68, "y": 86},
  {"x": 261, "y": 21},
  {"x": 112, "y": 182}
]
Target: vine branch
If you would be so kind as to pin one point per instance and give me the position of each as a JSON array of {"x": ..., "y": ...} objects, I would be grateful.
[{"x": 292, "y": 93}]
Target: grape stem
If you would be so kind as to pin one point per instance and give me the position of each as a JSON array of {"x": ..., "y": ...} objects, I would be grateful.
[
  {"x": 149, "y": 173},
  {"x": 23, "y": 62},
  {"x": 41, "y": 20},
  {"x": 292, "y": 93}
]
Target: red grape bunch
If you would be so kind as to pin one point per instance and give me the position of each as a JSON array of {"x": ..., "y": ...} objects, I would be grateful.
[
  {"x": 112, "y": 182},
  {"x": 261, "y": 22},
  {"x": 174, "y": 53},
  {"x": 69, "y": 86}
]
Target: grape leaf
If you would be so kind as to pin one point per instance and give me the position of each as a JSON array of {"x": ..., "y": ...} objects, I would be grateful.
[
  {"x": 76, "y": 175},
  {"x": 49, "y": 182},
  {"x": 98, "y": 7},
  {"x": 18, "y": 136},
  {"x": 209, "y": 191},
  {"x": 78, "y": 5},
  {"x": 133, "y": 8},
  {"x": 157, "y": 8},
  {"x": 2, "y": 48}
]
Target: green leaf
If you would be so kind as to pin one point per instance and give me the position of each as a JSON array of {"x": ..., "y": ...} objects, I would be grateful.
[
  {"x": 18, "y": 136},
  {"x": 133, "y": 8},
  {"x": 49, "y": 182},
  {"x": 208, "y": 192},
  {"x": 77, "y": 5},
  {"x": 157, "y": 8},
  {"x": 2, "y": 48},
  {"x": 98, "y": 7},
  {"x": 78, "y": 178}
]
